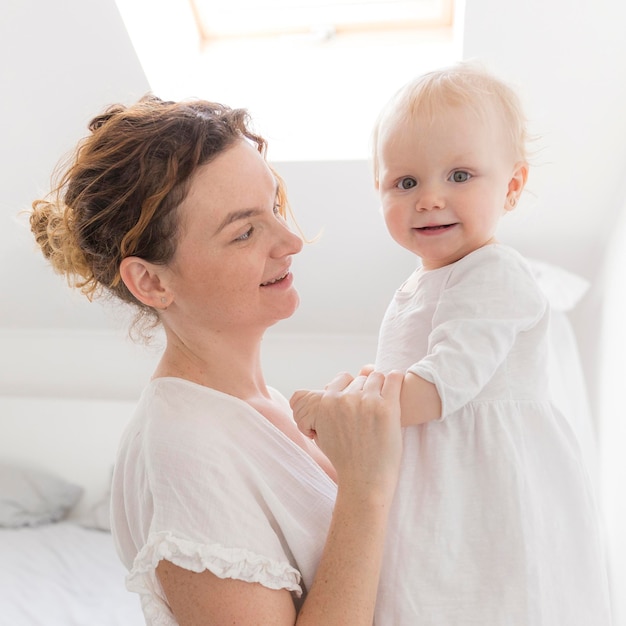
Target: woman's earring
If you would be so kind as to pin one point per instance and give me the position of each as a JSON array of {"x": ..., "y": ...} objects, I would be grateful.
[{"x": 513, "y": 201}]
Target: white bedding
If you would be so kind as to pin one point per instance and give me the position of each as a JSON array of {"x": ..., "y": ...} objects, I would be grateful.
[{"x": 63, "y": 575}]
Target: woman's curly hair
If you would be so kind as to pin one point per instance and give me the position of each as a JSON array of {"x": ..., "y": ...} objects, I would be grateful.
[{"x": 118, "y": 195}]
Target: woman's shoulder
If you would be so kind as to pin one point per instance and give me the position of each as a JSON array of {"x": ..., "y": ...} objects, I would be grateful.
[
  {"x": 176, "y": 413},
  {"x": 189, "y": 399}
]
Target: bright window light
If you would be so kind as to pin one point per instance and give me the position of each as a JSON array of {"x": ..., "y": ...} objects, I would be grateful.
[
  {"x": 270, "y": 18},
  {"x": 313, "y": 74}
]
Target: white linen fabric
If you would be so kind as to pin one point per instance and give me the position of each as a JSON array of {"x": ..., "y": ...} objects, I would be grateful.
[
  {"x": 206, "y": 482},
  {"x": 494, "y": 521},
  {"x": 63, "y": 575}
]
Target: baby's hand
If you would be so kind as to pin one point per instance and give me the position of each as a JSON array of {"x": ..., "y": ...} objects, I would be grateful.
[
  {"x": 305, "y": 403},
  {"x": 356, "y": 423}
]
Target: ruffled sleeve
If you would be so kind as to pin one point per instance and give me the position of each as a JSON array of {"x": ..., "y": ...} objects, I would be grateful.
[
  {"x": 488, "y": 299},
  {"x": 224, "y": 562},
  {"x": 208, "y": 492}
]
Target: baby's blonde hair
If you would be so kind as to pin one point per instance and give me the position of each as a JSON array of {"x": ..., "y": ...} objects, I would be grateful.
[{"x": 466, "y": 84}]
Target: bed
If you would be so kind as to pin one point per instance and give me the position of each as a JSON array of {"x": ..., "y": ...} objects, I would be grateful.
[
  {"x": 61, "y": 574},
  {"x": 58, "y": 565}
]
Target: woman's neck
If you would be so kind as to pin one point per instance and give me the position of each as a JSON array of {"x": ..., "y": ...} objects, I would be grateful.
[
  {"x": 232, "y": 365},
  {"x": 228, "y": 363}
]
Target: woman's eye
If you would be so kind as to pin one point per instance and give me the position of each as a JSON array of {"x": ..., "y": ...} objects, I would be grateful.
[
  {"x": 407, "y": 183},
  {"x": 246, "y": 235},
  {"x": 460, "y": 176}
]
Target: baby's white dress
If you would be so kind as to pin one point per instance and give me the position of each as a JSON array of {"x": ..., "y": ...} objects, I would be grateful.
[
  {"x": 494, "y": 521},
  {"x": 206, "y": 482}
]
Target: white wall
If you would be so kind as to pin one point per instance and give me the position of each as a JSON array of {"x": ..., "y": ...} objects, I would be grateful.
[
  {"x": 568, "y": 58},
  {"x": 61, "y": 63}
]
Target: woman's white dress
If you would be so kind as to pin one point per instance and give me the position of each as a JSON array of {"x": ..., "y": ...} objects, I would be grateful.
[{"x": 206, "y": 482}]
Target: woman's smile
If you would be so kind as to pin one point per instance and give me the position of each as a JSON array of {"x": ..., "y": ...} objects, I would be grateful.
[{"x": 287, "y": 277}]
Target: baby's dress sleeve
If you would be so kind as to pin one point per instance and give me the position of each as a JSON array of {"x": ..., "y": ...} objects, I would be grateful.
[{"x": 488, "y": 299}]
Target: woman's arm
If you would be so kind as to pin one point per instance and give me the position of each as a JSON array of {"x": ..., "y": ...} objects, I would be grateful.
[
  {"x": 203, "y": 599},
  {"x": 358, "y": 428},
  {"x": 357, "y": 425}
]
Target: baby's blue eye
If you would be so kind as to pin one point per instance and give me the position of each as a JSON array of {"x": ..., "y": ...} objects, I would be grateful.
[
  {"x": 407, "y": 183},
  {"x": 460, "y": 176}
]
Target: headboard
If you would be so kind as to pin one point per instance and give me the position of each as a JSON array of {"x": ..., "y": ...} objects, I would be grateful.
[{"x": 75, "y": 439}]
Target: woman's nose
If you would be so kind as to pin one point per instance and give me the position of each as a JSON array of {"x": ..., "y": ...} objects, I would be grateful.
[
  {"x": 288, "y": 243},
  {"x": 296, "y": 241}
]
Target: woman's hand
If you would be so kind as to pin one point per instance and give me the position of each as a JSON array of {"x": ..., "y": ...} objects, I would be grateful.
[{"x": 356, "y": 423}]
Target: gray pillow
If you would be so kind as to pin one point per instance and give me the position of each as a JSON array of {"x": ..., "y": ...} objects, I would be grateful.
[
  {"x": 98, "y": 516},
  {"x": 31, "y": 496}
]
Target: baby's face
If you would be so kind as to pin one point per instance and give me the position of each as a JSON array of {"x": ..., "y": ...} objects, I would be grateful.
[{"x": 444, "y": 183}]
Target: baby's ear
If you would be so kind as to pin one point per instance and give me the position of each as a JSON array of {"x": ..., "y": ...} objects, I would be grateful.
[
  {"x": 144, "y": 281},
  {"x": 516, "y": 185}
]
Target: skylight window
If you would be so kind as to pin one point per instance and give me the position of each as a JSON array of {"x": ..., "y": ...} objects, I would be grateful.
[
  {"x": 272, "y": 18},
  {"x": 312, "y": 73}
]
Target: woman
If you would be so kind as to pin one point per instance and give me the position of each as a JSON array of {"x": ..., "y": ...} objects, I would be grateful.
[{"x": 222, "y": 511}]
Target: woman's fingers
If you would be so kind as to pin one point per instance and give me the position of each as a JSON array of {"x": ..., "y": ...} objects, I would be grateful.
[
  {"x": 392, "y": 384},
  {"x": 373, "y": 382},
  {"x": 357, "y": 383},
  {"x": 366, "y": 370},
  {"x": 339, "y": 382},
  {"x": 356, "y": 422}
]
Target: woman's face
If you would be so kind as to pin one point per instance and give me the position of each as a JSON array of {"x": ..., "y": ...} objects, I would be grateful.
[{"x": 230, "y": 270}]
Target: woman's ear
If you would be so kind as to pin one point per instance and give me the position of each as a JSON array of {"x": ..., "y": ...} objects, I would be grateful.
[
  {"x": 144, "y": 280},
  {"x": 516, "y": 185}
]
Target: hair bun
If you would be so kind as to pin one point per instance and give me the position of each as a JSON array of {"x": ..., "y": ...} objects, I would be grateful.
[{"x": 100, "y": 120}]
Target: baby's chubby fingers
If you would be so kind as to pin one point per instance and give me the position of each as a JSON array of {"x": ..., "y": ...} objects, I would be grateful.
[{"x": 305, "y": 404}]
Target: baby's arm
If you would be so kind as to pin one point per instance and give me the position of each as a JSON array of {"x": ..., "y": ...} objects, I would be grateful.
[{"x": 419, "y": 401}]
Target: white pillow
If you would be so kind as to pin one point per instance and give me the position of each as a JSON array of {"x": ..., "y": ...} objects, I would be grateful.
[
  {"x": 31, "y": 496},
  {"x": 562, "y": 288},
  {"x": 98, "y": 517}
]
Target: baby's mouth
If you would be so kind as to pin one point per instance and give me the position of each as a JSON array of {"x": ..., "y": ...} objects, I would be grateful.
[{"x": 433, "y": 228}]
